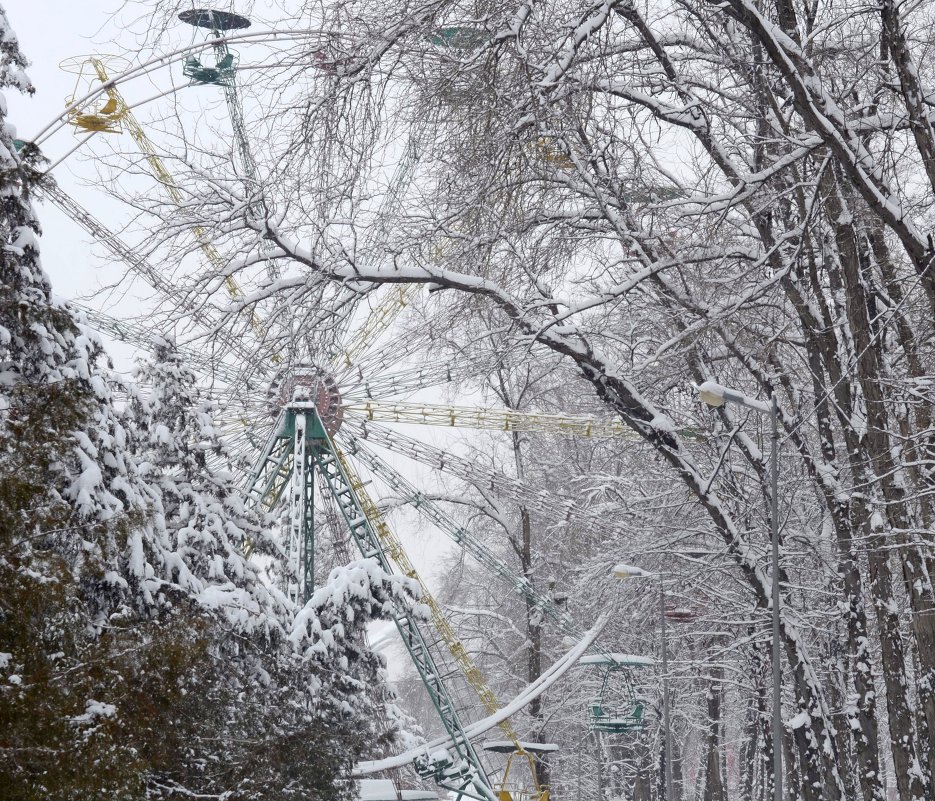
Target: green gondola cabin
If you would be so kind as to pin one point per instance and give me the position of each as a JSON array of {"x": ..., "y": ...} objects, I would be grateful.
[
  {"x": 222, "y": 72},
  {"x": 606, "y": 713}
]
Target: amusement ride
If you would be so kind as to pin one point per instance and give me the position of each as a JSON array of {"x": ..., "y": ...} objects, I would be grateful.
[{"x": 323, "y": 429}]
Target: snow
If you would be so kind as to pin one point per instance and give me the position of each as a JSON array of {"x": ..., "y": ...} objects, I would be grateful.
[
  {"x": 529, "y": 694},
  {"x": 363, "y": 582},
  {"x": 235, "y": 601},
  {"x": 623, "y": 570},
  {"x": 715, "y": 394},
  {"x": 93, "y": 710},
  {"x": 620, "y": 659},
  {"x": 197, "y": 564},
  {"x": 662, "y": 422},
  {"x": 24, "y": 237},
  {"x": 385, "y": 790},
  {"x": 800, "y": 720}
]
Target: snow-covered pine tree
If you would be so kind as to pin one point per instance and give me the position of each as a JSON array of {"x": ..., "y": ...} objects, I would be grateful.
[
  {"x": 330, "y": 631},
  {"x": 290, "y": 708},
  {"x": 71, "y": 508},
  {"x": 202, "y": 511},
  {"x": 139, "y": 656}
]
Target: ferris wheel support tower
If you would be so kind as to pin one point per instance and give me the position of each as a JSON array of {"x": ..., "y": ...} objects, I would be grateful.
[{"x": 303, "y": 440}]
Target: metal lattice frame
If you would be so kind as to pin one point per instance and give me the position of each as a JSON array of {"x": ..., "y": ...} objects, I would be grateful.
[
  {"x": 302, "y": 507},
  {"x": 267, "y": 485},
  {"x": 256, "y": 205},
  {"x": 465, "y": 774},
  {"x": 462, "y": 659}
]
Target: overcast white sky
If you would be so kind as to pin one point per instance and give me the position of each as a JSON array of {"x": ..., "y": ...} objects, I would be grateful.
[{"x": 50, "y": 31}]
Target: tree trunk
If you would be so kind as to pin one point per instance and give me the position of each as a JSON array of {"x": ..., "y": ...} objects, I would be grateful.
[
  {"x": 748, "y": 751},
  {"x": 714, "y": 789},
  {"x": 876, "y": 445},
  {"x": 642, "y": 784},
  {"x": 792, "y": 776}
]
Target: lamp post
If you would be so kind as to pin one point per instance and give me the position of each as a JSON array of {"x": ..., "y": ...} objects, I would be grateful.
[
  {"x": 716, "y": 395},
  {"x": 626, "y": 572}
]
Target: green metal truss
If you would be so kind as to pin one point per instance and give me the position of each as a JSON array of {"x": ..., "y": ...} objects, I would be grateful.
[{"x": 298, "y": 448}]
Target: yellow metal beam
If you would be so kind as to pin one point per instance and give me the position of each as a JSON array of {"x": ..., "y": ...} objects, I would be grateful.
[
  {"x": 380, "y": 319},
  {"x": 395, "y": 551},
  {"x": 161, "y": 173},
  {"x": 491, "y": 419}
]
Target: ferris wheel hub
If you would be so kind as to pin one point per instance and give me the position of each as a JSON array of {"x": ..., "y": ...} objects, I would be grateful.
[{"x": 308, "y": 383}]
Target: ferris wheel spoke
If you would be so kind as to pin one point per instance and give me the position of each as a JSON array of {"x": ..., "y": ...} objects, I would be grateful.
[
  {"x": 398, "y": 186},
  {"x": 402, "y": 382},
  {"x": 380, "y": 319},
  {"x": 101, "y": 233},
  {"x": 491, "y": 419},
  {"x": 559, "y": 509},
  {"x": 333, "y": 317},
  {"x": 243, "y": 441},
  {"x": 144, "y": 338},
  {"x": 387, "y": 356},
  {"x": 394, "y": 549},
  {"x": 137, "y": 264},
  {"x": 167, "y": 180},
  {"x": 399, "y": 296},
  {"x": 284, "y": 350},
  {"x": 245, "y": 431},
  {"x": 319, "y": 321},
  {"x": 461, "y": 536}
]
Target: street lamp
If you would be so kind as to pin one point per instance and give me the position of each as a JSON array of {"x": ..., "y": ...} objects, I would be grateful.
[
  {"x": 715, "y": 395},
  {"x": 623, "y": 571}
]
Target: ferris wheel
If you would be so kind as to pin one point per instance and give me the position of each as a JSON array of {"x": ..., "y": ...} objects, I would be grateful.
[{"x": 325, "y": 428}]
